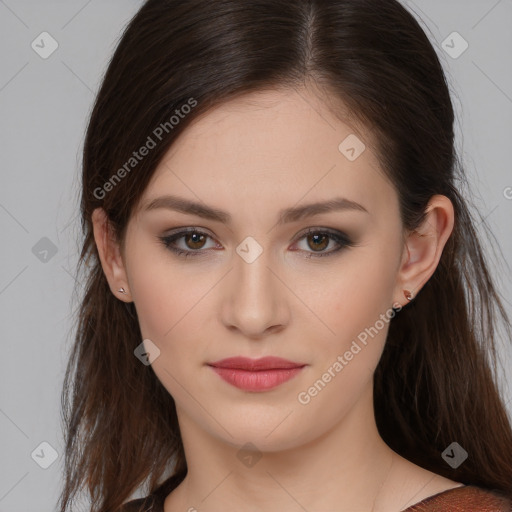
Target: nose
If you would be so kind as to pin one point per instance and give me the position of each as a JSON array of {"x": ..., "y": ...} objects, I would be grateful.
[{"x": 255, "y": 299}]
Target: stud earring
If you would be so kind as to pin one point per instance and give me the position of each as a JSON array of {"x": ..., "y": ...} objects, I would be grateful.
[
  {"x": 121, "y": 290},
  {"x": 408, "y": 295}
]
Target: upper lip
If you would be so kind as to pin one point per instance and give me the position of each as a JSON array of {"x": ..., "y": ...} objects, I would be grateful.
[{"x": 264, "y": 363}]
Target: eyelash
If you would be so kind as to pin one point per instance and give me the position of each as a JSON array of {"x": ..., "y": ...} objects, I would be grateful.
[{"x": 340, "y": 238}]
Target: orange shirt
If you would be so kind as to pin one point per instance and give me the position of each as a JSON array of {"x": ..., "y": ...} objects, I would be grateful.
[
  {"x": 464, "y": 499},
  {"x": 467, "y": 498}
]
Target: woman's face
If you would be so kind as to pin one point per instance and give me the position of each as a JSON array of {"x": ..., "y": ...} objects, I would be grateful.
[{"x": 253, "y": 283}]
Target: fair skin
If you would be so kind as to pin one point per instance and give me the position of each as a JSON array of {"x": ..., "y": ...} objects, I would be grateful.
[{"x": 253, "y": 157}]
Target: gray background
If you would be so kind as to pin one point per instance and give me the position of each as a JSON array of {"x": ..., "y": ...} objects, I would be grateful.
[{"x": 44, "y": 106}]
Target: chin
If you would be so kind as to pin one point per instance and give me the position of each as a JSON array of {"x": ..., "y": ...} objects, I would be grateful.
[{"x": 264, "y": 436}]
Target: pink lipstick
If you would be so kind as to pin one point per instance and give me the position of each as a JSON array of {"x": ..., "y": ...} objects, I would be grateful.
[{"x": 256, "y": 374}]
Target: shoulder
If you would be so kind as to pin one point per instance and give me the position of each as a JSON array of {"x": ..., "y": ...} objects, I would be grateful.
[{"x": 467, "y": 498}]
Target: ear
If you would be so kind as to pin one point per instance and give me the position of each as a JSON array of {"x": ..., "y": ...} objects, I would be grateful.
[
  {"x": 423, "y": 248},
  {"x": 110, "y": 255}
]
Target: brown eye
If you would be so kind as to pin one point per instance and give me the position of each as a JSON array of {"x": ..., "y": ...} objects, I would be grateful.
[
  {"x": 190, "y": 242},
  {"x": 194, "y": 240},
  {"x": 318, "y": 242}
]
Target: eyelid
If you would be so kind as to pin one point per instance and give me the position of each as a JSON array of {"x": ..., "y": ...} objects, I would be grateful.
[
  {"x": 340, "y": 238},
  {"x": 325, "y": 231},
  {"x": 178, "y": 233}
]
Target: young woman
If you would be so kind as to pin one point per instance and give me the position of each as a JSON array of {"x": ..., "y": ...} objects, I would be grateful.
[{"x": 287, "y": 307}]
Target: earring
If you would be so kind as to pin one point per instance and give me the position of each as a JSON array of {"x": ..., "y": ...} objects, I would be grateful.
[
  {"x": 408, "y": 295},
  {"x": 121, "y": 290}
]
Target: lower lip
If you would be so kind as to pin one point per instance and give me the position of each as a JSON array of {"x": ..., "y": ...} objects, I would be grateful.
[{"x": 261, "y": 380}]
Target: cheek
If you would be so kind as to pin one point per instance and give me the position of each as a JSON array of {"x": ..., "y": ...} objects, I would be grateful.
[
  {"x": 344, "y": 362},
  {"x": 162, "y": 292},
  {"x": 353, "y": 294},
  {"x": 355, "y": 304},
  {"x": 171, "y": 308}
]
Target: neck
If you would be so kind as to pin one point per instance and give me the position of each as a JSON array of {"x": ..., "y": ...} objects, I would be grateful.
[{"x": 345, "y": 469}]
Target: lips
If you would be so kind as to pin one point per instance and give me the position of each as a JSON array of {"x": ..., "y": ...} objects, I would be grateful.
[
  {"x": 264, "y": 363},
  {"x": 256, "y": 374}
]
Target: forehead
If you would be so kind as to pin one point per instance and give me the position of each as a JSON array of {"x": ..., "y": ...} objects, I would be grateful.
[
  {"x": 274, "y": 144},
  {"x": 275, "y": 124}
]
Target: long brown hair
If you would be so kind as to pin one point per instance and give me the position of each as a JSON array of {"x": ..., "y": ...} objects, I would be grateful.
[{"x": 436, "y": 381}]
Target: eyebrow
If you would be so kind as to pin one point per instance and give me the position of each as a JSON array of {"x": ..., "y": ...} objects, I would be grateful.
[{"x": 287, "y": 215}]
